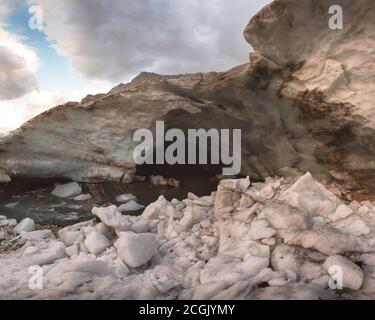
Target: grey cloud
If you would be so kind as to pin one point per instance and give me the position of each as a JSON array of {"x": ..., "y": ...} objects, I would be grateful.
[
  {"x": 115, "y": 39},
  {"x": 16, "y": 78},
  {"x": 18, "y": 62},
  {"x": 8, "y": 6}
]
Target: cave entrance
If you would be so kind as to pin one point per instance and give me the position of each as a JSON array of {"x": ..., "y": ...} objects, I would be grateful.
[{"x": 201, "y": 179}]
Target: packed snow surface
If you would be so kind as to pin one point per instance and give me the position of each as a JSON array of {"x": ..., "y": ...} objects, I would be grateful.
[{"x": 269, "y": 240}]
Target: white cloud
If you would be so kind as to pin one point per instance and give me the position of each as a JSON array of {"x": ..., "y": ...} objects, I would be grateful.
[
  {"x": 114, "y": 39},
  {"x": 18, "y": 62},
  {"x": 18, "y": 65},
  {"x": 13, "y": 113}
]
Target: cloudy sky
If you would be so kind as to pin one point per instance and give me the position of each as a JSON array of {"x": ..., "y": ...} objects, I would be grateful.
[{"x": 89, "y": 46}]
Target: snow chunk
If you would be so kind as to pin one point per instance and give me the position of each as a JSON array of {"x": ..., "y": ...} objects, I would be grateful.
[
  {"x": 141, "y": 226},
  {"x": 268, "y": 241},
  {"x": 352, "y": 225},
  {"x": 69, "y": 236},
  {"x": 67, "y": 190},
  {"x": 326, "y": 240},
  {"x": 75, "y": 233},
  {"x": 341, "y": 212},
  {"x": 306, "y": 264},
  {"x": 247, "y": 215},
  {"x": 11, "y": 205},
  {"x": 307, "y": 195},
  {"x": 126, "y": 197},
  {"x": 96, "y": 243},
  {"x": 266, "y": 193},
  {"x": 161, "y": 181},
  {"x": 284, "y": 217},
  {"x": 83, "y": 197},
  {"x": 240, "y": 185},
  {"x": 120, "y": 270},
  {"x": 136, "y": 249},
  {"x": 72, "y": 250},
  {"x": 368, "y": 259},
  {"x": 34, "y": 256},
  {"x": 363, "y": 210},
  {"x": 352, "y": 274},
  {"x": 278, "y": 282},
  {"x": 192, "y": 216},
  {"x": 158, "y": 180},
  {"x": 235, "y": 241},
  {"x": 156, "y": 209},
  {"x": 222, "y": 273},
  {"x": 8, "y": 223},
  {"x": 106, "y": 231},
  {"x": 4, "y": 178},
  {"x": 206, "y": 201},
  {"x": 260, "y": 229},
  {"x": 228, "y": 196},
  {"x": 226, "y": 269},
  {"x": 26, "y": 225},
  {"x": 131, "y": 206},
  {"x": 68, "y": 275},
  {"x": 112, "y": 217},
  {"x": 225, "y": 201},
  {"x": 37, "y": 235}
]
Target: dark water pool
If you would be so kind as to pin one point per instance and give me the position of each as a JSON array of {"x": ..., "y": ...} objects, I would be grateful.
[{"x": 32, "y": 198}]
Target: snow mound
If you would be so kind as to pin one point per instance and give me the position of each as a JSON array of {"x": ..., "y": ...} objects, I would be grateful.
[
  {"x": 270, "y": 240},
  {"x": 68, "y": 190}
]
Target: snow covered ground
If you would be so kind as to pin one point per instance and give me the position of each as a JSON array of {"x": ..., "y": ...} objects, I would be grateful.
[{"x": 269, "y": 240}]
